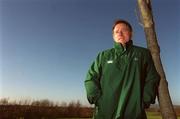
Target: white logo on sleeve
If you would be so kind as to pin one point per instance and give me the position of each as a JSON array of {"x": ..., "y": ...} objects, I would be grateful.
[{"x": 110, "y": 61}]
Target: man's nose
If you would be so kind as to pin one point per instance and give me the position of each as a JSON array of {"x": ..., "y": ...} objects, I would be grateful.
[{"x": 120, "y": 33}]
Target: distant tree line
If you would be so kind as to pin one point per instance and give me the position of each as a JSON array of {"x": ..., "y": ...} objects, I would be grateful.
[{"x": 42, "y": 109}]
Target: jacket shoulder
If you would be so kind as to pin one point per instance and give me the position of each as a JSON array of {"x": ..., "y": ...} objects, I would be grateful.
[
  {"x": 141, "y": 50},
  {"x": 107, "y": 52},
  {"x": 143, "y": 53}
]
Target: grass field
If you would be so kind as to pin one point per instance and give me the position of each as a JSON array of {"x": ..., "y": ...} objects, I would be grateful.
[
  {"x": 150, "y": 115},
  {"x": 155, "y": 115}
]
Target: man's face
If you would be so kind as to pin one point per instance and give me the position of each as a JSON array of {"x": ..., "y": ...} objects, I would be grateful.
[{"x": 121, "y": 33}]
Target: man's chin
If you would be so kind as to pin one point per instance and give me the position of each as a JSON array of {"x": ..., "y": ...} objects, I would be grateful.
[{"x": 119, "y": 41}]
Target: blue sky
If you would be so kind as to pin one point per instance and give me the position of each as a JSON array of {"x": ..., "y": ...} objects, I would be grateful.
[{"x": 47, "y": 46}]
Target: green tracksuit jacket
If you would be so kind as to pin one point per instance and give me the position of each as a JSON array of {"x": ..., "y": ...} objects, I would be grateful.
[{"x": 121, "y": 82}]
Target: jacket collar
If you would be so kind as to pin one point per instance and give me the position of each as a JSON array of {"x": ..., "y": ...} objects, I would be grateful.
[{"x": 119, "y": 48}]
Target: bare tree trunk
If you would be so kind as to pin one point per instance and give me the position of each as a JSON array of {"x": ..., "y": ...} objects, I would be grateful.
[{"x": 164, "y": 99}]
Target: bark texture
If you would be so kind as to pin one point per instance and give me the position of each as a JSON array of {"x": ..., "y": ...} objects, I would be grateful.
[{"x": 164, "y": 98}]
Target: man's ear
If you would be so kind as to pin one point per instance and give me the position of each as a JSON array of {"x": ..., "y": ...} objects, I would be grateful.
[{"x": 113, "y": 35}]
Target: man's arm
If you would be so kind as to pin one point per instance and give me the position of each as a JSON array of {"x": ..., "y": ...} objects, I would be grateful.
[
  {"x": 92, "y": 82},
  {"x": 151, "y": 82}
]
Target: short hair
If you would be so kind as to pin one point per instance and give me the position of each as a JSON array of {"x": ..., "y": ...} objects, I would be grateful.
[{"x": 119, "y": 21}]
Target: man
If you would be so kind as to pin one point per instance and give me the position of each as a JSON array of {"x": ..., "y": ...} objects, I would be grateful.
[{"x": 122, "y": 81}]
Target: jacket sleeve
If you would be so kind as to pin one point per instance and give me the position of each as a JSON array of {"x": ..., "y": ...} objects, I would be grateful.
[
  {"x": 151, "y": 82},
  {"x": 92, "y": 82}
]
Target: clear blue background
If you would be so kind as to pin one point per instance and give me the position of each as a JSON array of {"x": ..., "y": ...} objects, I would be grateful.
[{"x": 47, "y": 46}]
